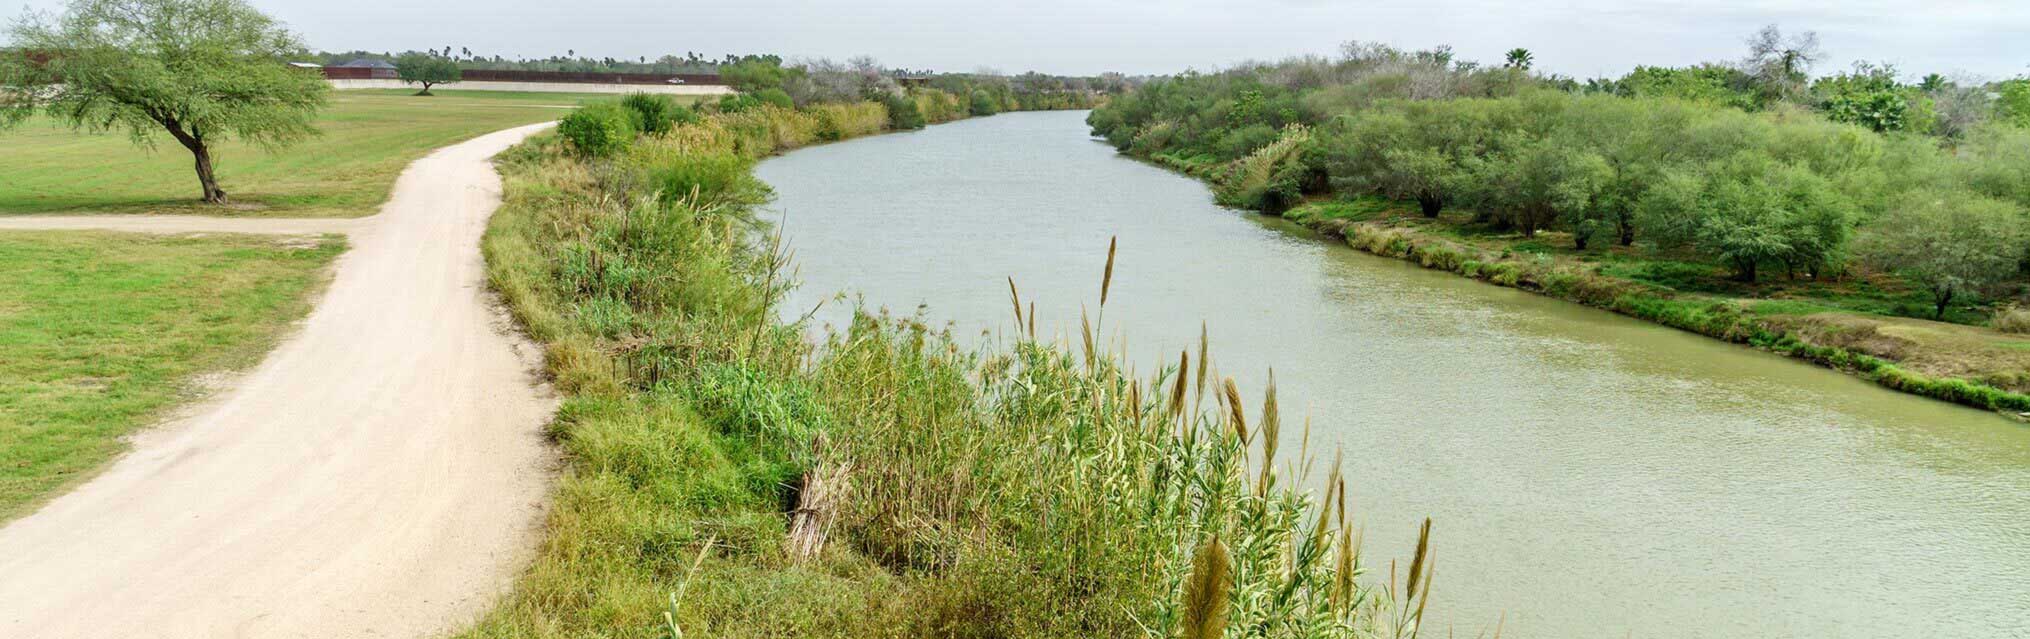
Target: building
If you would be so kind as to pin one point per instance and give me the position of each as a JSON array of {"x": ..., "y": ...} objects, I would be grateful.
[{"x": 362, "y": 69}]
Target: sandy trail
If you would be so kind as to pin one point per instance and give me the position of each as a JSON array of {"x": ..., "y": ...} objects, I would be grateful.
[{"x": 380, "y": 474}]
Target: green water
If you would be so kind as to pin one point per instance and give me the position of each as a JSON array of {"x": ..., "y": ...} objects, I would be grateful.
[{"x": 1589, "y": 475}]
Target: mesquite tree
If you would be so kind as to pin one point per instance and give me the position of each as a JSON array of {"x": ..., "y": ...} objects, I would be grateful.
[
  {"x": 201, "y": 70},
  {"x": 427, "y": 69}
]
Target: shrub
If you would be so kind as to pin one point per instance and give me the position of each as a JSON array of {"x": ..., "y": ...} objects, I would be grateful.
[
  {"x": 775, "y": 97},
  {"x": 738, "y": 103},
  {"x": 704, "y": 178},
  {"x": 2010, "y": 319},
  {"x": 598, "y": 129},
  {"x": 656, "y": 114},
  {"x": 983, "y": 104},
  {"x": 842, "y": 121},
  {"x": 903, "y": 113}
]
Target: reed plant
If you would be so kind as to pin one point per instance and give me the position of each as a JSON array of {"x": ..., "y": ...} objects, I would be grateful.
[{"x": 887, "y": 481}]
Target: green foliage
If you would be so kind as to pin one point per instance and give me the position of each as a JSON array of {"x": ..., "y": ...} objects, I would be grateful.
[
  {"x": 1954, "y": 244},
  {"x": 426, "y": 69},
  {"x": 204, "y": 71},
  {"x": 1750, "y": 210},
  {"x": 755, "y": 74},
  {"x": 737, "y": 103},
  {"x": 903, "y": 113},
  {"x": 775, "y": 97},
  {"x": 1713, "y": 84},
  {"x": 656, "y": 113},
  {"x": 2013, "y": 103},
  {"x": 598, "y": 129},
  {"x": 1869, "y": 96},
  {"x": 715, "y": 178},
  {"x": 983, "y": 103}
]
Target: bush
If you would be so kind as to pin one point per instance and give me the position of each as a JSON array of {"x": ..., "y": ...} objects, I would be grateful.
[
  {"x": 598, "y": 129},
  {"x": 2010, "y": 319},
  {"x": 738, "y": 103},
  {"x": 655, "y": 113},
  {"x": 775, "y": 97},
  {"x": 903, "y": 114},
  {"x": 983, "y": 104},
  {"x": 702, "y": 178}
]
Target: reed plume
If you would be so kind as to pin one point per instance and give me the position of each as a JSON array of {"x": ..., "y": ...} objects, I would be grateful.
[
  {"x": 1206, "y": 594},
  {"x": 1234, "y": 412}
]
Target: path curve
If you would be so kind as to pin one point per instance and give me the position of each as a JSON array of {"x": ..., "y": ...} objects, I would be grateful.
[{"x": 381, "y": 474}]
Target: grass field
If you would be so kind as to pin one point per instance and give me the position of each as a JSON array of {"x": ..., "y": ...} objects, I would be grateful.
[
  {"x": 102, "y": 333},
  {"x": 368, "y": 137}
]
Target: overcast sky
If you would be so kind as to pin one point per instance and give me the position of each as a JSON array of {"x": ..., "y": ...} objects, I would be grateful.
[{"x": 1582, "y": 38}]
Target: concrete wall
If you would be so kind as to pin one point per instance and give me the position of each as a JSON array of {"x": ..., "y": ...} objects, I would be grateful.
[{"x": 544, "y": 87}]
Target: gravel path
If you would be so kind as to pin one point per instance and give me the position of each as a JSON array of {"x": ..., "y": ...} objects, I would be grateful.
[{"x": 381, "y": 474}]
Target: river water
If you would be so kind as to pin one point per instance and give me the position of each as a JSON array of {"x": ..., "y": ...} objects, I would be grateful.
[{"x": 1588, "y": 475}]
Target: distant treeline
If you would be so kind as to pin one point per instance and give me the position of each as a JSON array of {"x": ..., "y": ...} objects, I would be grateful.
[
  {"x": 1751, "y": 164},
  {"x": 764, "y": 71}
]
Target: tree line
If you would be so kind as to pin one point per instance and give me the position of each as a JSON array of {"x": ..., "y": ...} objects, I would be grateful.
[{"x": 1748, "y": 165}]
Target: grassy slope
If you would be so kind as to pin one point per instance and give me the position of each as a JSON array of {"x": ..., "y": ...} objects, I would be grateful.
[
  {"x": 1856, "y": 325},
  {"x": 1024, "y": 495},
  {"x": 368, "y": 137},
  {"x": 100, "y": 333}
]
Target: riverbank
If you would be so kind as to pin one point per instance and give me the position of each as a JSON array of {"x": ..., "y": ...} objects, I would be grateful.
[
  {"x": 1966, "y": 365},
  {"x": 1959, "y": 363},
  {"x": 1535, "y": 432},
  {"x": 727, "y": 477}
]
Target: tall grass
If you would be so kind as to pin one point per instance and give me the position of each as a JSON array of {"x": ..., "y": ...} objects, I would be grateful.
[{"x": 1018, "y": 489}]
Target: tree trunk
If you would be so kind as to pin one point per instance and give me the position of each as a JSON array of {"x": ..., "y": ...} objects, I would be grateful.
[
  {"x": 1430, "y": 204},
  {"x": 1627, "y": 232},
  {"x": 1744, "y": 270},
  {"x": 194, "y": 140},
  {"x": 212, "y": 193},
  {"x": 1938, "y": 312}
]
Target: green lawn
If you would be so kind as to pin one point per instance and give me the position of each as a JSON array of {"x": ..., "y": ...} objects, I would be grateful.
[
  {"x": 368, "y": 136},
  {"x": 102, "y": 333}
]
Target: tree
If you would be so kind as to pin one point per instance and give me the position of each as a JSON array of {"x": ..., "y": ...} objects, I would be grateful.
[
  {"x": 1411, "y": 152},
  {"x": 2012, "y": 102},
  {"x": 1708, "y": 83},
  {"x": 1869, "y": 96},
  {"x": 1747, "y": 211},
  {"x": 1520, "y": 59},
  {"x": 1955, "y": 245},
  {"x": 426, "y": 69},
  {"x": 201, "y": 70},
  {"x": 1536, "y": 182},
  {"x": 1780, "y": 65},
  {"x": 1933, "y": 83}
]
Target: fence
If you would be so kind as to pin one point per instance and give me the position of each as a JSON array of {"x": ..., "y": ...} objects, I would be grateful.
[{"x": 565, "y": 77}]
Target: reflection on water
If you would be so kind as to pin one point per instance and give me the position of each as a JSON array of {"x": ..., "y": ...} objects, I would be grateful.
[{"x": 1589, "y": 475}]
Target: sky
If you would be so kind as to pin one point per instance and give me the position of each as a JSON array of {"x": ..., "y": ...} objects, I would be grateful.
[{"x": 1583, "y": 38}]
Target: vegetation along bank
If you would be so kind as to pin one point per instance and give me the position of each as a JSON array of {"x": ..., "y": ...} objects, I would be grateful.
[
  {"x": 729, "y": 478},
  {"x": 1743, "y": 201}
]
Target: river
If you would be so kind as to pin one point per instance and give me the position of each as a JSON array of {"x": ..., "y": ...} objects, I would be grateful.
[{"x": 1588, "y": 475}]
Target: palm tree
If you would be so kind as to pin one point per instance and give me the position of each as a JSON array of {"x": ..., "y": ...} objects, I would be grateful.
[
  {"x": 1520, "y": 59},
  {"x": 1932, "y": 83}
]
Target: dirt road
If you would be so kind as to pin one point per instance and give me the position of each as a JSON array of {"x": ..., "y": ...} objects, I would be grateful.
[{"x": 380, "y": 474}]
